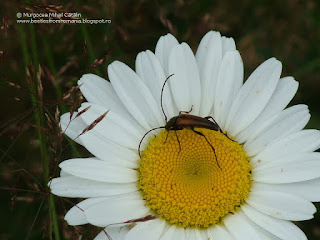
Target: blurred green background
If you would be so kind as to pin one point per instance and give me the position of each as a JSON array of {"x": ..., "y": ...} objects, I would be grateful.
[{"x": 31, "y": 147}]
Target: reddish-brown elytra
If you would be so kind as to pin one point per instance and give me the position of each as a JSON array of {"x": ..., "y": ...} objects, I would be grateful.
[{"x": 186, "y": 121}]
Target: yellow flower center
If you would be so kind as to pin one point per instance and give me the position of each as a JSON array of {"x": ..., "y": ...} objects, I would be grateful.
[{"x": 186, "y": 187}]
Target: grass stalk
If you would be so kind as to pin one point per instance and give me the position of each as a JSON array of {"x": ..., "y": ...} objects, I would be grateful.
[
  {"x": 39, "y": 121},
  {"x": 90, "y": 50},
  {"x": 58, "y": 92}
]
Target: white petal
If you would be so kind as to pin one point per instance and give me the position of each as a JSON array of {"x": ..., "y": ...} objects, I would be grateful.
[
  {"x": 281, "y": 205},
  {"x": 163, "y": 50},
  {"x": 203, "y": 233},
  {"x": 253, "y": 96},
  {"x": 303, "y": 141},
  {"x": 229, "y": 82},
  {"x": 219, "y": 233},
  {"x": 185, "y": 83},
  {"x": 152, "y": 229},
  {"x": 99, "y": 91},
  {"x": 113, "y": 232},
  {"x": 290, "y": 120},
  {"x": 113, "y": 126},
  {"x": 297, "y": 168},
  {"x": 151, "y": 73},
  {"x": 280, "y": 228},
  {"x": 192, "y": 234},
  {"x": 285, "y": 91},
  {"x": 240, "y": 227},
  {"x": 72, "y": 128},
  {"x": 97, "y": 170},
  {"x": 306, "y": 189},
  {"x": 72, "y": 186},
  {"x": 264, "y": 234},
  {"x": 209, "y": 56},
  {"x": 135, "y": 95},
  {"x": 228, "y": 44},
  {"x": 174, "y": 233},
  {"x": 116, "y": 210},
  {"x": 64, "y": 174},
  {"x": 107, "y": 150},
  {"x": 76, "y": 216}
]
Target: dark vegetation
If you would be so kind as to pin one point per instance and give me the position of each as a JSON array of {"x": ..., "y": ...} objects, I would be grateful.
[{"x": 40, "y": 63}]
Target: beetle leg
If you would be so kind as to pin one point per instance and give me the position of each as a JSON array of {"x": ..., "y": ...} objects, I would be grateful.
[
  {"x": 186, "y": 111},
  {"x": 214, "y": 151},
  {"x": 166, "y": 137},
  {"x": 209, "y": 117},
  {"x": 178, "y": 141},
  {"x": 228, "y": 137}
]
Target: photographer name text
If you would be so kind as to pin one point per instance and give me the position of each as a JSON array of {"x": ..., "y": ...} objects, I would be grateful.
[{"x": 53, "y": 15}]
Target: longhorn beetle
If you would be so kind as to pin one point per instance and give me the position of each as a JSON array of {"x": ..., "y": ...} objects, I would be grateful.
[{"x": 186, "y": 120}]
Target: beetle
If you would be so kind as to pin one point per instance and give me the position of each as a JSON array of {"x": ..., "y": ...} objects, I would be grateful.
[{"x": 184, "y": 120}]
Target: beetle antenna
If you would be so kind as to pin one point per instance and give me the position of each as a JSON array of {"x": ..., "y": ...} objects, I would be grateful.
[
  {"x": 165, "y": 116},
  {"x": 145, "y": 136}
]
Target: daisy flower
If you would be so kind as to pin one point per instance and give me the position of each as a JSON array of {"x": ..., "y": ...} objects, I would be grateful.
[{"x": 248, "y": 181}]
